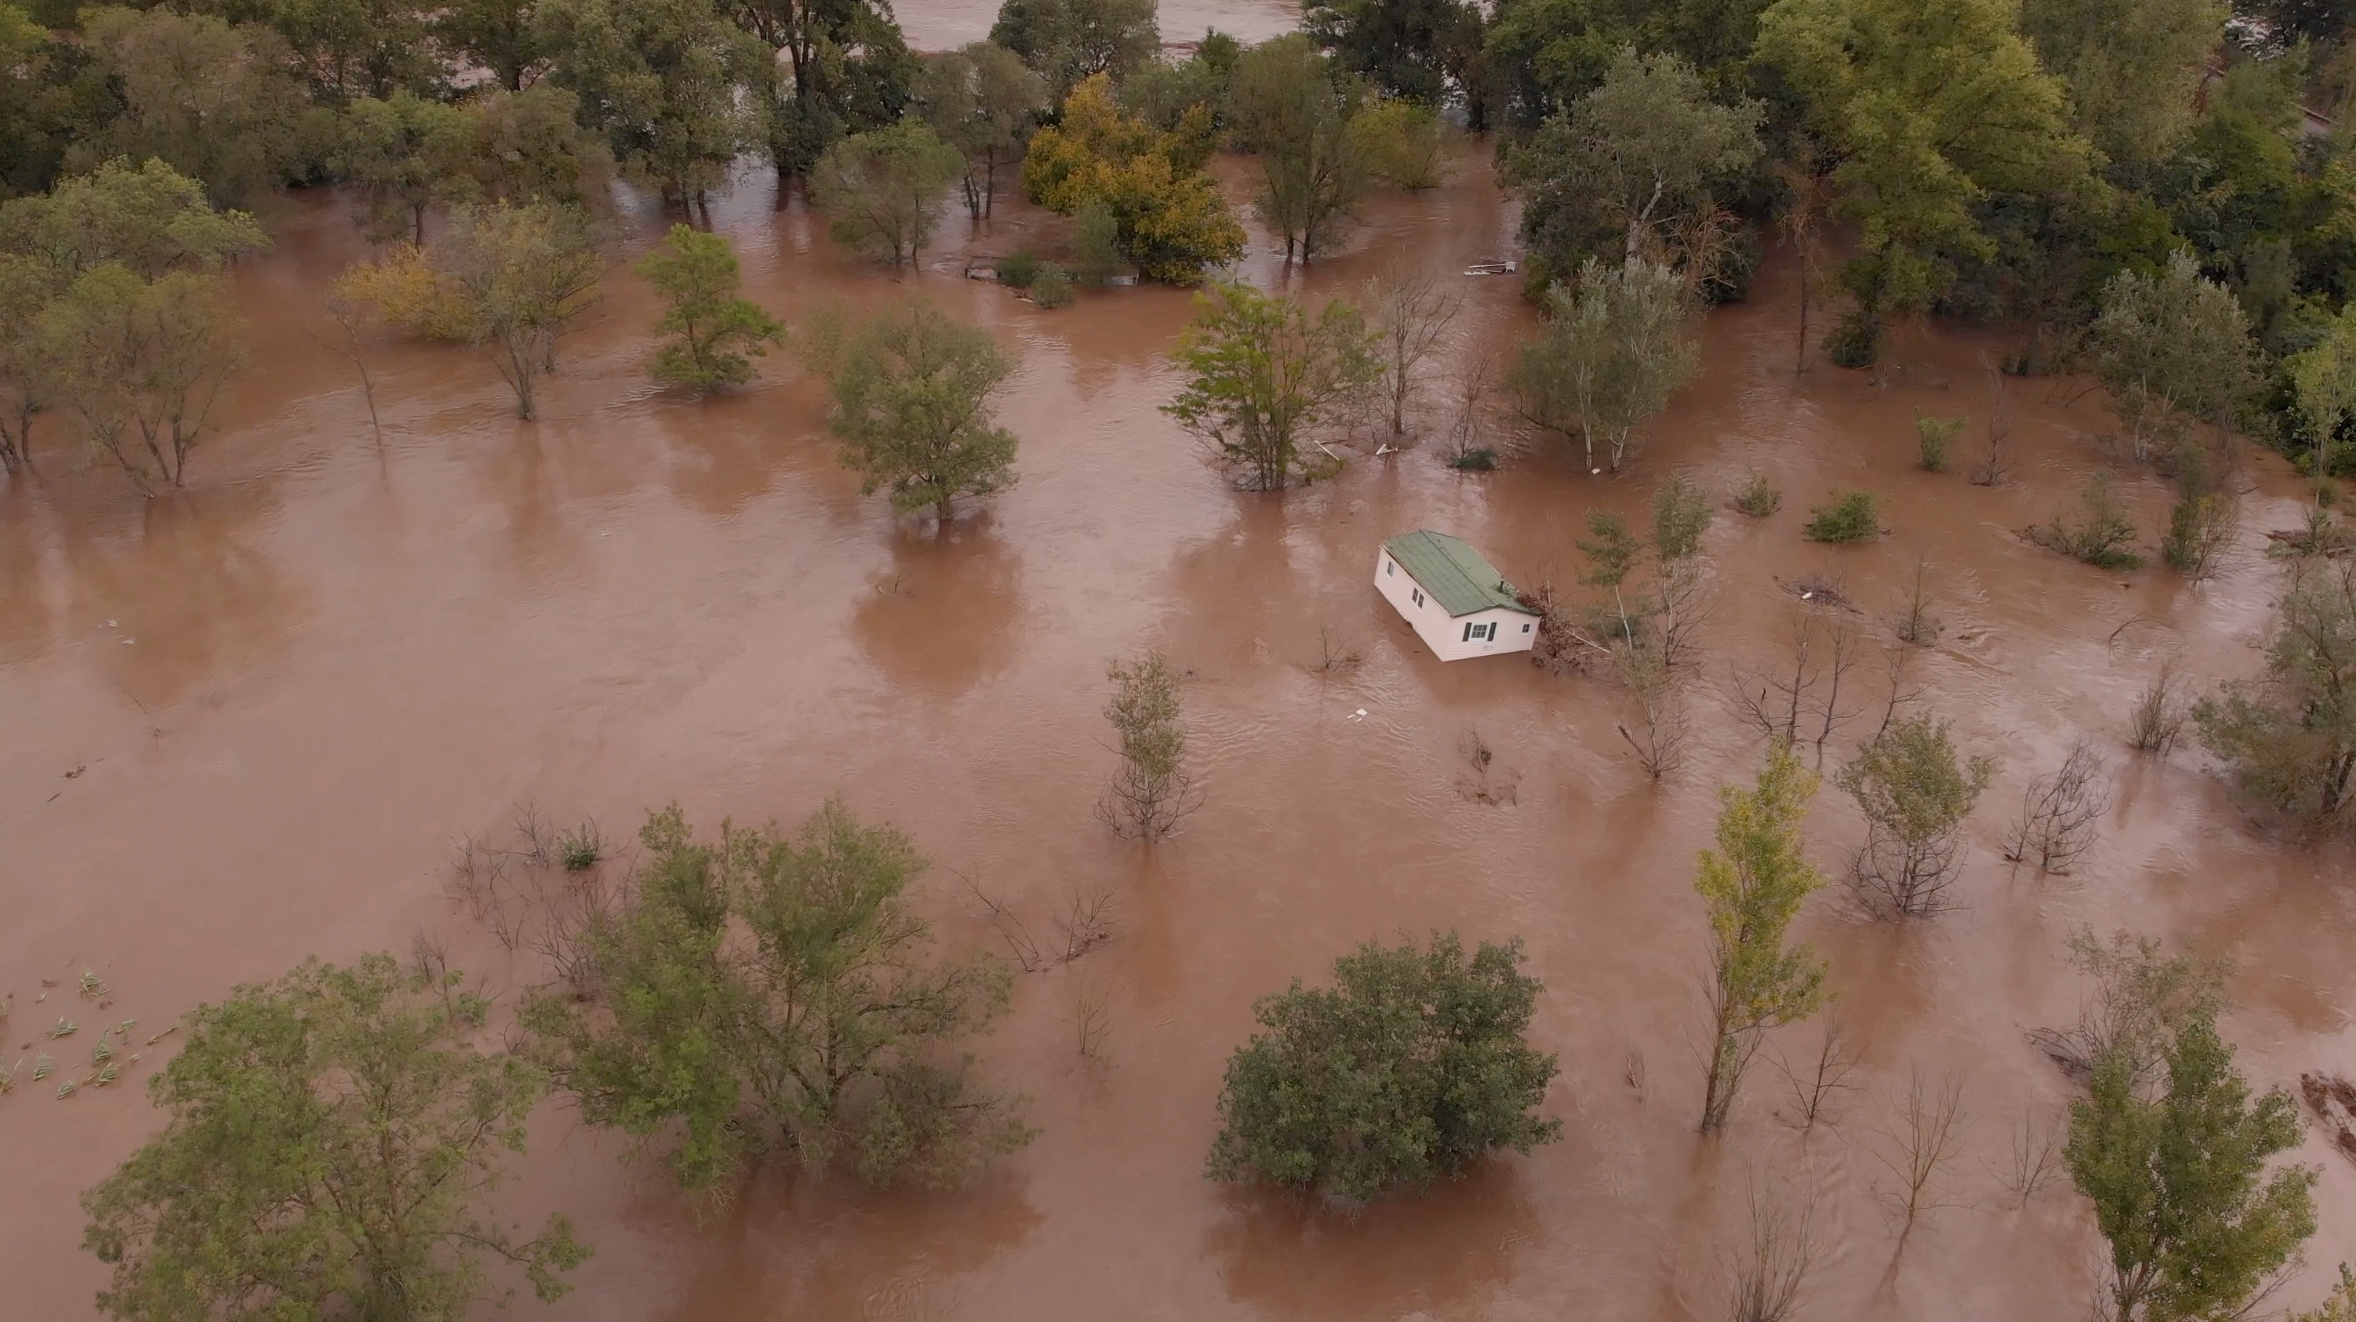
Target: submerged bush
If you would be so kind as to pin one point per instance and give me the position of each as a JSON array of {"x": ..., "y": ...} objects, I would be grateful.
[
  {"x": 1852, "y": 516},
  {"x": 1017, "y": 270},
  {"x": 2101, "y": 535},
  {"x": 1053, "y": 289}
]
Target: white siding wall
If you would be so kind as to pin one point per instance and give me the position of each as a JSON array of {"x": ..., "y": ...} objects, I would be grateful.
[{"x": 1439, "y": 632}]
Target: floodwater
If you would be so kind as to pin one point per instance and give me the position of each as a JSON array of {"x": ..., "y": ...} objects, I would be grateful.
[{"x": 245, "y": 725}]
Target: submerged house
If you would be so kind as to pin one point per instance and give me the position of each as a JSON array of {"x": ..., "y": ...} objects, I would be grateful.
[{"x": 1459, "y": 605}]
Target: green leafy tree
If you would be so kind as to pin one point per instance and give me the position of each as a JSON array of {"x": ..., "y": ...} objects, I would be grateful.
[
  {"x": 1647, "y": 146},
  {"x": 511, "y": 279},
  {"x": 149, "y": 217},
  {"x": 2134, "y": 67},
  {"x": 663, "y": 78},
  {"x": 2174, "y": 350},
  {"x": 983, "y": 101},
  {"x": 2180, "y": 1184},
  {"x": 1915, "y": 792},
  {"x": 847, "y": 69},
  {"x": 1929, "y": 107},
  {"x": 142, "y": 363},
  {"x": 408, "y": 153},
  {"x": 715, "y": 333},
  {"x": 1753, "y": 885},
  {"x": 1616, "y": 348},
  {"x": 1096, "y": 244},
  {"x": 529, "y": 146},
  {"x": 502, "y": 36},
  {"x": 772, "y": 992},
  {"x": 331, "y": 1144},
  {"x": 213, "y": 101},
  {"x": 30, "y": 364},
  {"x": 1288, "y": 104},
  {"x": 884, "y": 187},
  {"x": 1172, "y": 218},
  {"x": 35, "y": 119},
  {"x": 1071, "y": 41},
  {"x": 912, "y": 407},
  {"x": 2290, "y": 736},
  {"x": 1262, "y": 370},
  {"x": 1401, "y": 46},
  {"x": 2323, "y": 385},
  {"x": 1412, "y": 1066},
  {"x": 348, "y": 48}
]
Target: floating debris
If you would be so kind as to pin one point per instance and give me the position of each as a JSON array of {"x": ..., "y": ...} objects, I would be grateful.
[
  {"x": 123, "y": 1029},
  {"x": 93, "y": 986},
  {"x": 106, "y": 1075},
  {"x": 66, "y": 1089},
  {"x": 43, "y": 1068},
  {"x": 64, "y": 1027},
  {"x": 1492, "y": 268},
  {"x": 101, "y": 1053},
  {"x": 164, "y": 1034}
]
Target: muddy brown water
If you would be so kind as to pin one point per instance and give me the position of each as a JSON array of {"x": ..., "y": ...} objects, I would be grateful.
[{"x": 244, "y": 725}]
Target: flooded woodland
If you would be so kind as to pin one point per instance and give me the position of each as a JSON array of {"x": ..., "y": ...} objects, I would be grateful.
[{"x": 249, "y": 722}]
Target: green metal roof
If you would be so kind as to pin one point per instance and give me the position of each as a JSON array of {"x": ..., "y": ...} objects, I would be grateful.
[{"x": 1452, "y": 573}]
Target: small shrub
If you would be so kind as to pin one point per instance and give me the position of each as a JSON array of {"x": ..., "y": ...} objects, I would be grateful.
[
  {"x": 1856, "y": 342},
  {"x": 1480, "y": 459},
  {"x": 1017, "y": 270},
  {"x": 2157, "y": 719},
  {"x": 1932, "y": 438},
  {"x": 581, "y": 848},
  {"x": 2101, "y": 536},
  {"x": 1052, "y": 288},
  {"x": 1852, "y": 516},
  {"x": 1096, "y": 248},
  {"x": 1758, "y": 497},
  {"x": 2200, "y": 529}
]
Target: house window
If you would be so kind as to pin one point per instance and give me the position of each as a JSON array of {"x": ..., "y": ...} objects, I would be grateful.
[
  {"x": 1418, "y": 595},
  {"x": 1525, "y": 628},
  {"x": 1479, "y": 633},
  {"x": 1388, "y": 566}
]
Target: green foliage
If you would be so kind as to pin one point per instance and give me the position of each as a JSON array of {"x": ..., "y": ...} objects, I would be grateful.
[
  {"x": 661, "y": 77},
  {"x": 1616, "y": 348},
  {"x": 1070, "y": 41},
  {"x": 331, "y": 1144},
  {"x": 2323, "y": 385},
  {"x": 1681, "y": 514},
  {"x": 141, "y": 363},
  {"x": 1315, "y": 155},
  {"x": 149, "y": 217},
  {"x": 1403, "y": 143},
  {"x": 530, "y": 147},
  {"x": 912, "y": 407},
  {"x": 2290, "y": 737},
  {"x": 825, "y": 1031},
  {"x": 1646, "y": 149},
  {"x": 1152, "y": 790},
  {"x": 1933, "y": 438},
  {"x": 2173, "y": 349},
  {"x": 1172, "y": 219},
  {"x": 1018, "y": 269},
  {"x": 984, "y": 102},
  {"x": 498, "y": 35},
  {"x": 213, "y": 101},
  {"x": 1611, "y": 548},
  {"x": 1053, "y": 288},
  {"x": 1411, "y": 49},
  {"x": 1915, "y": 792},
  {"x": 1479, "y": 459},
  {"x": 2340, "y": 1307},
  {"x": 1928, "y": 108},
  {"x": 2133, "y": 67},
  {"x": 1096, "y": 244},
  {"x": 2102, "y": 533},
  {"x": 1752, "y": 886},
  {"x": 714, "y": 333},
  {"x": 1758, "y": 497},
  {"x": 408, "y": 153},
  {"x": 2180, "y": 1183},
  {"x": 884, "y": 188},
  {"x": 1851, "y": 516},
  {"x": 2201, "y": 529},
  {"x": 1411, "y": 1067},
  {"x": 1261, "y": 371}
]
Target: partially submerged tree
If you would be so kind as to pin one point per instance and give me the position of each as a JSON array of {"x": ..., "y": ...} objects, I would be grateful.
[
  {"x": 912, "y": 407},
  {"x": 1262, "y": 371},
  {"x": 982, "y": 101},
  {"x": 772, "y": 992},
  {"x": 2134, "y": 67},
  {"x": 715, "y": 333},
  {"x": 2180, "y": 1182},
  {"x": 1615, "y": 350},
  {"x": 332, "y": 1142},
  {"x": 2290, "y": 736},
  {"x": 1070, "y": 41},
  {"x": 1752, "y": 886},
  {"x": 2174, "y": 350},
  {"x": 407, "y": 154},
  {"x": 1287, "y": 105},
  {"x": 2139, "y": 1004},
  {"x": 513, "y": 279},
  {"x": 1413, "y": 1066},
  {"x": 1412, "y": 314},
  {"x": 1172, "y": 219},
  {"x": 142, "y": 363},
  {"x": 884, "y": 188},
  {"x": 1152, "y": 790},
  {"x": 1915, "y": 792},
  {"x": 215, "y": 101},
  {"x": 664, "y": 78},
  {"x": 1648, "y": 146}
]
